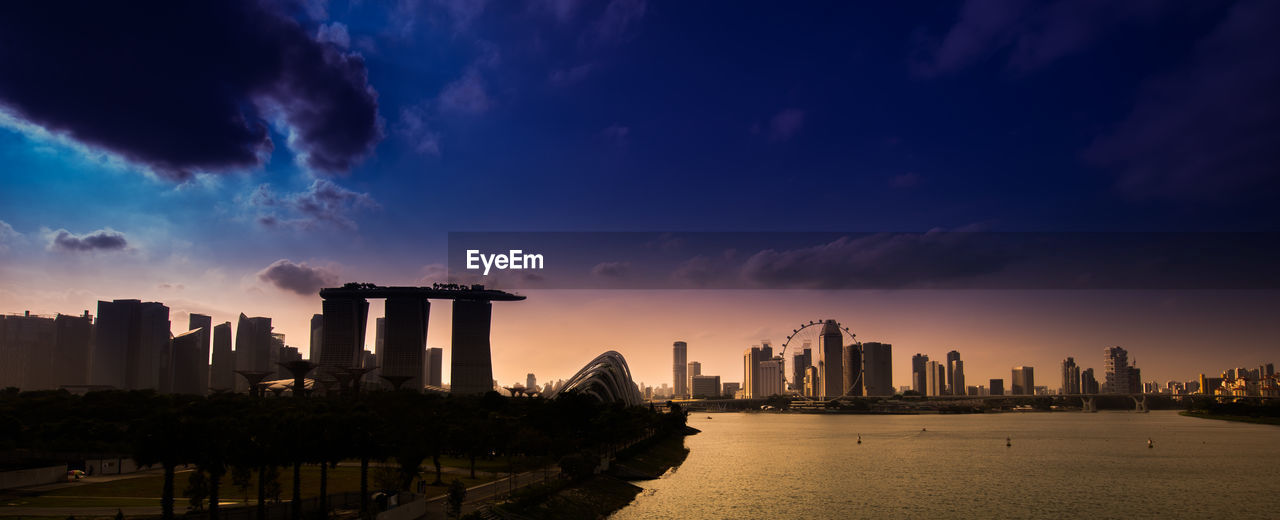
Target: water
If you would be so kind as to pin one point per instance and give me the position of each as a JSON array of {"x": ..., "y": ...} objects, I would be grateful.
[{"x": 1061, "y": 464}]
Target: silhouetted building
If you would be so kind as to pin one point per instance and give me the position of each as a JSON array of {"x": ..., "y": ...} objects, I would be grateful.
[
  {"x": 1070, "y": 377},
  {"x": 935, "y": 378},
  {"x": 951, "y": 388},
  {"x": 404, "y": 349},
  {"x": 877, "y": 368},
  {"x": 317, "y": 338},
  {"x": 1023, "y": 381},
  {"x": 472, "y": 370},
  {"x": 799, "y": 363},
  {"x": 253, "y": 348},
  {"x": 996, "y": 386},
  {"x": 531, "y": 382},
  {"x": 1088, "y": 383},
  {"x": 920, "y": 373},
  {"x": 705, "y": 386},
  {"x": 26, "y": 343},
  {"x": 1135, "y": 380},
  {"x": 830, "y": 361},
  {"x": 680, "y": 368},
  {"x": 435, "y": 370},
  {"x": 203, "y": 324},
  {"x": 285, "y": 355},
  {"x": 379, "y": 338},
  {"x": 730, "y": 389},
  {"x": 1115, "y": 366},
  {"x": 343, "y": 332},
  {"x": 189, "y": 366},
  {"x": 131, "y": 342},
  {"x": 957, "y": 374},
  {"x": 852, "y": 362},
  {"x": 73, "y": 343}
]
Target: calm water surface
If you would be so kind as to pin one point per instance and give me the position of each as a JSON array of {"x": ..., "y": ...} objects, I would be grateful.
[{"x": 1060, "y": 465}]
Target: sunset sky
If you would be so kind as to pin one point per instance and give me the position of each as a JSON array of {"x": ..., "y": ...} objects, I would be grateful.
[{"x": 237, "y": 156}]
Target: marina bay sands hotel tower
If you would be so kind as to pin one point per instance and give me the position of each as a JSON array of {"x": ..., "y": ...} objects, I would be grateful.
[{"x": 346, "y": 316}]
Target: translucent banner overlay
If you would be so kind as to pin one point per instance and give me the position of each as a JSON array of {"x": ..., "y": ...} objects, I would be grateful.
[{"x": 822, "y": 260}]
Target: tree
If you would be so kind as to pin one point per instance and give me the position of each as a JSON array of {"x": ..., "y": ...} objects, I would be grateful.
[
  {"x": 197, "y": 490},
  {"x": 457, "y": 495}
]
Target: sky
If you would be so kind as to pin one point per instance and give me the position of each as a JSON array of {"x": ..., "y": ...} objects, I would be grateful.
[{"x": 237, "y": 156}]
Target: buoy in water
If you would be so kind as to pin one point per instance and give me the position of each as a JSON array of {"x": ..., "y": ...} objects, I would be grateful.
[
  {"x": 1008, "y": 441},
  {"x": 924, "y": 429},
  {"x": 1149, "y": 443},
  {"x": 859, "y": 438}
]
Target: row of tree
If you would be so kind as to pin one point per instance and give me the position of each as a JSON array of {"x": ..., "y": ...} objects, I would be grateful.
[{"x": 234, "y": 434}]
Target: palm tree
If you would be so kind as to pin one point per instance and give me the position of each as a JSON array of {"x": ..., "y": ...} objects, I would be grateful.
[{"x": 158, "y": 440}]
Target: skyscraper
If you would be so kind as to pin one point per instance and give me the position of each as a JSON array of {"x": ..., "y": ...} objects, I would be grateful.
[
  {"x": 25, "y": 345},
  {"x": 204, "y": 324},
  {"x": 130, "y": 343},
  {"x": 73, "y": 341},
  {"x": 531, "y": 382},
  {"x": 1088, "y": 383},
  {"x": 704, "y": 386},
  {"x": 830, "y": 361},
  {"x": 221, "y": 371},
  {"x": 1070, "y": 377},
  {"x": 680, "y": 367},
  {"x": 253, "y": 348},
  {"x": 957, "y": 377},
  {"x": 877, "y": 368},
  {"x": 188, "y": 363},
  {"x": 799, "y": 363},
  {"x": 996, "y": 386},
  {"x": 1115, "y": 366},
  {"x": 317, "y": 338},
  {"x": 952, "y": 357},
  {"x": 751, "y": 360},
  {"x": 470, "y": 357},
  {"x": 694, "y": 368},
  {"x": 1023, "y": 381},
  {"x": 935, "y": 378},
  {"x": 919, "y": 374},
  {"x": 852, "y": 362},
  {"x": 379, "y": 339},
  {"x": 770, "y": 375},
  {"x": 405, "y": 341},
  {"x": 434, "y": 369},
  {"x": 343, "y": 332}
]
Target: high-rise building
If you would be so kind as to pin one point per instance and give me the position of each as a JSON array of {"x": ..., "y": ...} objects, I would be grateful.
[
  {"x": 317, "y": 338},
  {"x": 25, "y": 344},
  {"x": 254, "y": 352},
  {"x": 531, "y": 382},
  {"x": 952, "y": 357},
  {"x": 471, "y": 357},
  {"x": 1088, "y": 383},
  {"x": 771, "y": 378},
  {"x": 877, "y": 368},
  {"x": 996, "y": 386},
  {"x": 957, "y": 375},
  {"x": 852, "y": 362},
  {"x": 919, "y": 373},
  {"x": 379, "y": 339},
  {"x": 73, "y": 343},
  {"x": 680, "y": 367},
  {"x": 1135, "y": 380},
  {"x": 1023, "y": 381},
  {"x": 203, "y": 324},
  {"x": 935, "y": 378},
  {"x": 694, "y": 368},
  {"x": 343, "y": 328},
  {"x": 1070, "y": 377},
  {"x": 729, "y": 389},
  {"x": 812, "y": 381},
  {"x": 1115, "y": 366},
  {"x": 189, "y": 367},
  {"x": 751, "y": 360},
  {"x": 830, "y": 361},
  {"x": 131, "y": 341},
  {"x": 405, "y": 341},
  {"x": 704, "y": 386},
  {"x": 434, "y": 368},
  {"x": 222, "y": 375},
  {"x": 799, "y": 363}
]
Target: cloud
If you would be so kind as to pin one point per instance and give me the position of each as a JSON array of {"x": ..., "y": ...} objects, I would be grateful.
[
  {"x": 1032, "y": 34},
  {"x": 466, "y": 95},
  {"x": 335, "y": 33},
  {"x": 611, "y": 269},
  {"x": 786, "y": 124},
  {"x": 7, "y": 236},
  {"x": 905, "y": 180},
  {"x": 888, "y": 260},
  {"x": 1211, "y": 127},
  {"x": 617, "y": 133},
  {"x": 324, "y": 202},
  {"x": 149, "y": 99},
  {"x": 105, "y": 239},
  {"x": 617, "y": 21},
  {"x": 571, "y": 75},
  {"x": 413, "y": 126},
  {"x": 299, "y": 278}
]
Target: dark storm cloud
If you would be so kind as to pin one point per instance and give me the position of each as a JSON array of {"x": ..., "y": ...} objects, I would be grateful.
[
  {"x": 185, "y": 87},
  {"x": 299, "y": 278},
  {"x": 1211, "y": 128},
  {"x": 100, "y": 240},
  {"x": 888, "y": 260}
]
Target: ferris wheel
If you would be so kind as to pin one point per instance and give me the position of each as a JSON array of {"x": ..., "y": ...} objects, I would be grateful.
[{"x": 806, "y": 336}]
